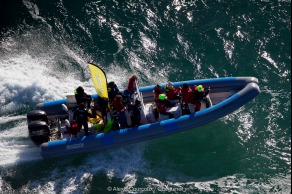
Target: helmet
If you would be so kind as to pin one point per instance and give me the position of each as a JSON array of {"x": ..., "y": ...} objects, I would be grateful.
[
  {"x": 79, "y": 90},
  {"x": 111, "y": 84},
  {"x": 185, "y": 85},
  {"x": 200, "y": 88},
  {"x": 157, "y": 88},
  {"x": 169, "y": 86},
  {"x": 161, "y": 97}
]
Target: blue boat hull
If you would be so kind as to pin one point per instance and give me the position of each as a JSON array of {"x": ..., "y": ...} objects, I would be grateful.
[{"x": 246, "y": 89}]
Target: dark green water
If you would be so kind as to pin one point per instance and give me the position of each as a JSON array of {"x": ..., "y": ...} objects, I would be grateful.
[{"x": 44, "y": 50}]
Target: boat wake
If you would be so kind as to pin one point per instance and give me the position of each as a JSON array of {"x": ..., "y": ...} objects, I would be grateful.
[{"x": 15, "y": 146}]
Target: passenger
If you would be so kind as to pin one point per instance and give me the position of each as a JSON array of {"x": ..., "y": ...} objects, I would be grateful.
[
  {"x": 116, "y": 121},
  {"x": 171, "y": 92},
  {"x": 186, "y": 92},
  {"x": 96, "y": 120},
  {"x": 82, "y": 97},
  {"x": 132, "y": 84},
  {"x": 80, "y": 117},
  {"x": 125, "y": 98},
  {"x": 112, "y": 91},
  {"x": 103, "y": 106},
  {"x": 200, "y": 94},
  {"x": 135, "y": 116},
  {"x": 163, "y": 104},
  {"x": 108, "y": 127},
  {"x": 119, "y": 107},
  {"x": 157, "y": 91},
  {"x": 72, "y": 128},
  {"x": 126, "y": 95}
]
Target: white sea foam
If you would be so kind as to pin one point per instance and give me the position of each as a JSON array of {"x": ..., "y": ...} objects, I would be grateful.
[
  {"x": 121, "y": 163},
  {"x": 28, "y": 78},
  {"x": 236, "y": 183},
  {"x": 16, "y": 147}
]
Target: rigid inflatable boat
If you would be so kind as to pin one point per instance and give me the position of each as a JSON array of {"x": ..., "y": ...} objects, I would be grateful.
[{"x": 47, "y": 124}]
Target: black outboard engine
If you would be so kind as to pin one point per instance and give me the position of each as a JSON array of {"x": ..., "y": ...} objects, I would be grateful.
[
  {"x": 37, "y": 115},
  {"x": 38, "y": 128}
]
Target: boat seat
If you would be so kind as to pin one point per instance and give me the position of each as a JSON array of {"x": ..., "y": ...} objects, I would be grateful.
[
  {"x": 191, "y": 107},
  {"x": 163, "y": 117},
  {"x": 203, "y": 103},
  {"x": 71, "y": 102},
  {"x": 174, "y": 102},
  {"x": 176, "y": 111},
  {"x": 149, "y": 113},
  {"x": 143, "y": 117},
  {"x": 128, "y": 117}
]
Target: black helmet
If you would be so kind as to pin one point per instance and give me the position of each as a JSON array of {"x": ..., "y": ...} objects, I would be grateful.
[
  {"x": 185, "y": 85},
  {"x": 111, "y": 84},
  {"x": 80, "y": 90}
]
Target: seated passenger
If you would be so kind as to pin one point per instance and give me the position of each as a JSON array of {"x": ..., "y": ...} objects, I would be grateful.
[
  {"x": 186, "y": 92},
  {"x": 72, "y": 128},
  {"x": 116, "y": 121},
  {"x": 157, "y": 91},
  {"x": 171, "y": 92},
  {"x": 126, "y": 95},
  {"x": 163, "y": 104},
  {"x": 82, "y": 97},
  {"x": 200, "y": 94},
  {"x": 119, "y": 107},
  {"x": 112, "y": 90},
  {"x": 135, "y": 113},
  {"x": 96, "y": 120},
  {"x": 103, "y": 107}
]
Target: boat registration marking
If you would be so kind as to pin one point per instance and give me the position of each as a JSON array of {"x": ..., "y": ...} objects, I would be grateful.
[{"x": 75, "y": 146}]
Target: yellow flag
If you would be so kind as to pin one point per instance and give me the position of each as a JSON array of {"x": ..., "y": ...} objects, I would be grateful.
[{"x": 99, "y": 80}]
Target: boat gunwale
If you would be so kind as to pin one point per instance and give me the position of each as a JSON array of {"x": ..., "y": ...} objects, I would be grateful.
[{"x": 167, "y": 127}]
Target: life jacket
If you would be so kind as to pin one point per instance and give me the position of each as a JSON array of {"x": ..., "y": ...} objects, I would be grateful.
[
  {"x": 95, "y": 120},
  {"x": 93, "y": 117},
  {"x": 161, "y": 106},
  {"x": 156, "y": 92},
  {"x": 118, "y": 105},
  {"x": 131, "y": 85},
  {"x": 172, "y": 93},
  {"x": 186, "y": 93}
]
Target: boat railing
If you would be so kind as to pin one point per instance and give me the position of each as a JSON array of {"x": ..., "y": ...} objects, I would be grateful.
[{"x": 140, "y": 96}]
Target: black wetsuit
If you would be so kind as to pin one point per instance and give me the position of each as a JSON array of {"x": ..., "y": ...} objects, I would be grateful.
[
  {"x": 112, "y": 91},
  {"x": 83, "y": 98},
  {"x": 80, "y": 116}
]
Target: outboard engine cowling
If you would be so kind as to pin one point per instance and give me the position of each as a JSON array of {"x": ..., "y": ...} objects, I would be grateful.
[
  {"x": 37, "y": 115},
  {"x": 39, "y": 132}
]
